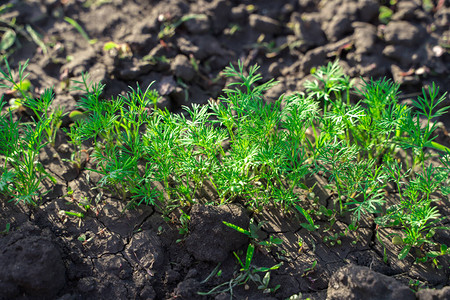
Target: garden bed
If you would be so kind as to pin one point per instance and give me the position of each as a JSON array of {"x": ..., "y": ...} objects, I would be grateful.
[{"x": 211, "y": 184}]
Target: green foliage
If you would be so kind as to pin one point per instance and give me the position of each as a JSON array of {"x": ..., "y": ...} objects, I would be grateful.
[
  {"x": 80, "y": 29},
  {"x": 248, "y": 272},
  {"x": 242, "y": 149},
  {"x": 168, "y": 26},
  {"x": 310, "y": 225},
  {"x": 385, "y": 14},
  {"x": 115, "y": 129},
  {"x": 420, "y": 137},
  {"x": 20, "y": 144},
  {"x": 415, "y": 213},
  {"x": 252, "y": 233},
  {"x": 42, "y": 110}
]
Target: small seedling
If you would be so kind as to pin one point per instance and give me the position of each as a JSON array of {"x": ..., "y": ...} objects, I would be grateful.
[
  {"x": 43, "y": 113},
  {"x": 7, "y": 228},
  {"x": 309, "y": 270},
  {"x": 432, "y": 255},
  {"x": 272, "y": 242},
  {"x": 84, "y": 239},
  {"x": 73, "y": 214},
  {"x": 416, "y": 285},
  {"x": 310, "y": 225},
  {"x": 247, "y": 272},
  {"x": 123, "y": 49},
  {"x": 80, "y": 29},
  {"x": 184, "y": 229},
  {"x": 252, "y": 233},
  {"x": 385, "y": 14},
  {"x": 333, "y": 239},
  {"x": 20, "y": 145},
  {"x": 169, "y": 26}
]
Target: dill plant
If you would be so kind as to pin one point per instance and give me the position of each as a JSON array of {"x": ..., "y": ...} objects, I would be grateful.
[
  {"x": 264, "y": 153},
  {"x": 138, "y": 147},
  {"x": 270, "y": 152},
  {"x": 357, "y": 147},
  {"x": 20, "y": 143},
  {"x": 251, "y": 151},
  {"x": 114, "y": 128}
]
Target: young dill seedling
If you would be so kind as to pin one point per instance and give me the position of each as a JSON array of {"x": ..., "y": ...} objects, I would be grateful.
[
  {"x": 41, "y": 107},
  {"x": 270, "y": 152},
  {"x": 337, "y": 159},
  {"x": 22, "y": 171},
  {"x": 379, "y": 129},
  {"x": 356, "y": 146},
  {"x": 234, "y": 109},
  {"x": 20, "y": 145},
  {"x": 145, "y": 192},
  {"x": 420, "y": 137},
  {"x": 201, "y": 144},
  {"x": 9, "y": 145},
  {"x": 76, "y": 141},
  {"x": 116, "y": 129},
  {"x": 263, "y": 158},
  {"x": 42, "y": 111},
  {"x": 415, "y": 212},
  {"x": 330, "y": 85},
  {"x": 299, "y": 114},
  {"x": 444, "y": 171},
  {"x": 160, "y": 144}
]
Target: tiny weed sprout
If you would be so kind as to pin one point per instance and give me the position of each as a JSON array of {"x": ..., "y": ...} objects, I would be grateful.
[
  {"x": 252, "y": 233},
  {"x": 80, "y": 29},
  {"x": 241, "y": 149},
  {"x": 169, "y": 26},
  {"x": 247, "y": 272},
  {"x": 309, "y": 270},
  {"x": 310, "y": 225},
  {"x": 123, "y": 50},
  {"x": 7, "y": 228},
  {"x": 74, "y": 214},
  {"x": 184, "y": 229}
]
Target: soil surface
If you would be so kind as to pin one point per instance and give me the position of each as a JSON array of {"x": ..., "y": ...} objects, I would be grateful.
[{"x": 137, "y": 254}]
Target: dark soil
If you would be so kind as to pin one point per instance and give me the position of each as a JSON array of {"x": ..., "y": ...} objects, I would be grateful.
[{"x": 135, "y": 254}]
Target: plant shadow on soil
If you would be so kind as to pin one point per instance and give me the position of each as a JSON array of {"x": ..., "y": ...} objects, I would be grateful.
[{"x": 111, "y": 254}]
